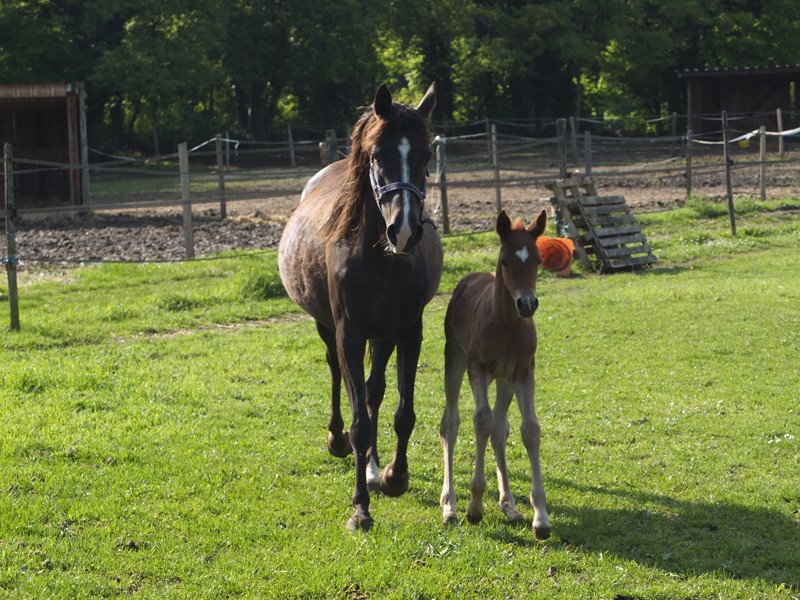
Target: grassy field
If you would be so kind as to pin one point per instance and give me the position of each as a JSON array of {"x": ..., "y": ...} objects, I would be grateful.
[{"x": 163, "y": 434}]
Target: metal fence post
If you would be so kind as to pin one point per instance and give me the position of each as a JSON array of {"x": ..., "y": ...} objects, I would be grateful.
[
  {"x": 762, "y": 157},
  {"x": 689, "y": 142},
  {"x": 728, "y": 165},
  {"x": 188, "y": 234},
  {"x": 498, "y": 204},
  {"x": 11, "y": 242},
  {"x": 223, "y": 209}
]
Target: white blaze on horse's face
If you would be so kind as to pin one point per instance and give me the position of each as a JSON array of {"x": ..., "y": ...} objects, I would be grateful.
[{"x": 404, "y": 232}]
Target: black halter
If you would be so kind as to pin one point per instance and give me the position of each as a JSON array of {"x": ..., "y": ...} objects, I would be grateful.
[{"x": 381, "y": 190}]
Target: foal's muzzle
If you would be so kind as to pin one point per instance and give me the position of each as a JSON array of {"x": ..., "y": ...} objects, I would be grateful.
[{"x": 527, "y": 305}]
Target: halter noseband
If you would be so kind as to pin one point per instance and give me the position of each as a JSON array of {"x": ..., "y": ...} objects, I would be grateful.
[{"x": 381, "y": 190}]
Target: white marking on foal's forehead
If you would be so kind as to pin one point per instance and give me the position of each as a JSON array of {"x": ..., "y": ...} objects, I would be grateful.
[{"x": 523, "y": 254}]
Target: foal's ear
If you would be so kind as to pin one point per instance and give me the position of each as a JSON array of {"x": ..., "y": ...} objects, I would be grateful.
[
  {"x": 383, "y": 102},
  {"x": 503, "y": 226},
  {"x": 425, "y": 106},
  {"x": 538, "y": 226}
]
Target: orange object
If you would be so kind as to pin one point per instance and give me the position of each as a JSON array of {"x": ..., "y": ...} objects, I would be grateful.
[{"x": 556, "y": 254}]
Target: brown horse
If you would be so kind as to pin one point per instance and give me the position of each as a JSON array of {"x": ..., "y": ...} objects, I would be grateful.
[
  {"x": 360, "y": 256},
  {"x": 490, "y": 334}
]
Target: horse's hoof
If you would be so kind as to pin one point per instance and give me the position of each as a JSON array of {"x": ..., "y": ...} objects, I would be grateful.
[
  {"x": 474, "y": 519},
  {"x": 360, "y": 521},
  {"x": 450, "y": 519},
  {"x": 393, "y": 485},
  {"x": 339, "y": 445},
  {"x": 541, "y": 533}
]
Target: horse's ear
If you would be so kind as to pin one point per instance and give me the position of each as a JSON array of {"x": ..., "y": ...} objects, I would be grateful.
[
  {"x": 425, "y": 106},
  {"x": 383, "y": 102},
  {"x": 537, "y": 227},
  {"x": 503, "y": 226}
]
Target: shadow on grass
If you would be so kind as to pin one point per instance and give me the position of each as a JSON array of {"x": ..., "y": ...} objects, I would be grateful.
[{"x": 685, "y": 538}]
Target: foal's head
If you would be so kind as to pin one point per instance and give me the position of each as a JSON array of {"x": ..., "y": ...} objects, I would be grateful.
[
  {"x": 391, "y": 149},
  {"x": 519, "y": 259}
]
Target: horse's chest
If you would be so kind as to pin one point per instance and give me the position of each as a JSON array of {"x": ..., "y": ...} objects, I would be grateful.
[
  {"x": 505, "y": 354},
  {"x": 380, "y": 300}
]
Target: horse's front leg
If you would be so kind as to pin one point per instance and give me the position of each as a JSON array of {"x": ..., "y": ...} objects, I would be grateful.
[
  {"x": 351, "y": 346},
  {"x": 499, "y": 439},
  {"x": 483, "y": 422},
  {"x": 531, "y": 438},
  {"x": 376, "y": 387},
  {"x": 394, "y": 477}
]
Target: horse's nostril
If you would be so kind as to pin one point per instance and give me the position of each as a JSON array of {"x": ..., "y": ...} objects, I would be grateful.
[{"x": 391, "y": 233}]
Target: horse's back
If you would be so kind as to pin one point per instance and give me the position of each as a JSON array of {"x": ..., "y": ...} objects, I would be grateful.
[{"x": 301, "y": 252}]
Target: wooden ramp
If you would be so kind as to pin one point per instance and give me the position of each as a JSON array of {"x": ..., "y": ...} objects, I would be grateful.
[{"x": 601, "y": 226}]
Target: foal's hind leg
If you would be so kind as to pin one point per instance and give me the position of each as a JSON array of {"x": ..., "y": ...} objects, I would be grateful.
[
  {"x": 376, "y": 387},
  {"x": 499, "y": 439},
  {"x": 338, "y": 439}
]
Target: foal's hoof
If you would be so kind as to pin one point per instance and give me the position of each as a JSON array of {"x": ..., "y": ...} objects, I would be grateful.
[
  {"x": 391, "y": 484},
  {"x": 360, "y": 521},
  {"x": 339, "y": 445},
  {"x": 541, "y": 533}
]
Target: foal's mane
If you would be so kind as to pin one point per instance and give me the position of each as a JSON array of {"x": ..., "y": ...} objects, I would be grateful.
[{"x": 370, "y": 129}]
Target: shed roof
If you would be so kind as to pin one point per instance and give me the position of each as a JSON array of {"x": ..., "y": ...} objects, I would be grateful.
[{"x": 736, "y": 71}]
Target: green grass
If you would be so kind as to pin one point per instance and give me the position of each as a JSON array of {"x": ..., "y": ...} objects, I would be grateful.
[{"x": 164, "y": 425}]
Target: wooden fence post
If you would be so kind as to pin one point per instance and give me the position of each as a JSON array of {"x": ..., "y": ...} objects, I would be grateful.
[
  {"x": 762, "y": 156},
  {"x": 573, "y": 128},
  {"x": 587, "y": 152},
  {"x": 728, "y": 165},
  {"x": 496, "y": 169},
  {"x": 291, "y": 145},
  {"x": 689, "y": 142},
  {"x": 441, "y": 179},
  {"x": 223, "y": 209},
  {"x": 11, "y": 242},
  {"x": 188, "y": 234},
  {"x": 674, "y": 131},
  {"x": 561, "y": 132},
  {"x": 330, "y": 143}
]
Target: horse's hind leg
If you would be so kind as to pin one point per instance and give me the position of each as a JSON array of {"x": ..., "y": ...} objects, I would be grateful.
[
  {"x": 531, "y": 437},
  {"x": 376, "y": 387},
  {"x": 499, "y": 439},
  {"x": 394, "y": 477},
  {"x": 338, "y": 439},
  {"x": 454, "y": 367}
]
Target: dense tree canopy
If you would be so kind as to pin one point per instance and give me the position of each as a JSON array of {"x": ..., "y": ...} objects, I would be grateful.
[{"x": 187, "y": 68}]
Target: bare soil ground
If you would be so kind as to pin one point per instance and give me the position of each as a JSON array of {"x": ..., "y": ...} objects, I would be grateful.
[{"x": 156, "y": 234}]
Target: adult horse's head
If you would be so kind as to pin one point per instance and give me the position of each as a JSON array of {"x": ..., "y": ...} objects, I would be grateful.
[
  {"x": 518, "y": 263},
  {"x": 389, "y": 157}
]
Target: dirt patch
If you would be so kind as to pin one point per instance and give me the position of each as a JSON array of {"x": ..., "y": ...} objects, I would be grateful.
[{"x": 156, "y": 234}]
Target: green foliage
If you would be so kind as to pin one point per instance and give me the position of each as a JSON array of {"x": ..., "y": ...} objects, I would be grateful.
[
  {"x": 186, "y": 69},
  {"x": 164, "y": 434}
]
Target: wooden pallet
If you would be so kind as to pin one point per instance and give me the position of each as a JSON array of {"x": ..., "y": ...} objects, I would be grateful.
[{"x": 602, "y": 226}]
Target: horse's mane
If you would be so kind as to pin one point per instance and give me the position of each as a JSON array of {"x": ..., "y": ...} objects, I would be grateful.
[{"x": 348, "y": 215}]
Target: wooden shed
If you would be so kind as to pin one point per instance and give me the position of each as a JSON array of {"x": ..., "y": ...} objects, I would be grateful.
[
  {"x": 751, "y": 96},
  {"x": 46, "y": 124}
]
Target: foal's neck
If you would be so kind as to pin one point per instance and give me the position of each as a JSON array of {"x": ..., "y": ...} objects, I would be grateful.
[{"x": 503, "y": 306}]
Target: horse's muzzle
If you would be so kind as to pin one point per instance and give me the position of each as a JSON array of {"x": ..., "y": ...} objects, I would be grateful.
[{"x": 527, "y": 305}]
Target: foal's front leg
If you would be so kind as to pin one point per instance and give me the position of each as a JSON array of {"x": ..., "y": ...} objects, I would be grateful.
[
  {"x": 499, "y": 439},
  {"x": 531, "y": 438},
  {"x": 483, "y": 422}
]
